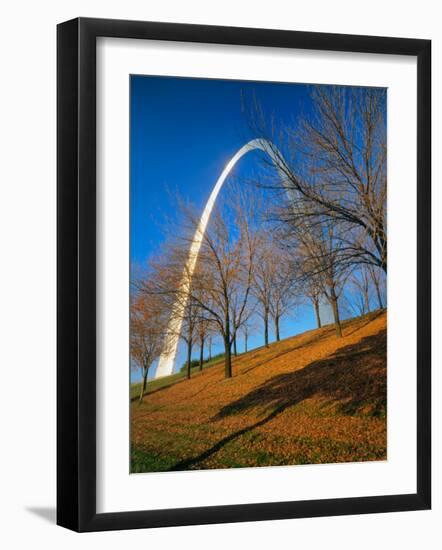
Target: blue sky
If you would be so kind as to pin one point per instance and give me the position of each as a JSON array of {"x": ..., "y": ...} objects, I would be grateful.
[{"x": 182, "y": 133}]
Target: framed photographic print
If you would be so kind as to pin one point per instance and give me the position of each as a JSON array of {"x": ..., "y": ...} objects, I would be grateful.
[{"x": 243, "y": 274}]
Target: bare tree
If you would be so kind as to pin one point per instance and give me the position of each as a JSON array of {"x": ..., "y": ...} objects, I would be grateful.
[
  {"x": 164, "y": 283},
  {"x": 378, "y": 278},
  {"x": 189, "y": 330},
  {"x": 264, "y": 275},
  {"x": 319, "y": 258},
  {"x": 205, "y": 329},
  {"x": 210, "y": 342},
  {"x": 332, "y": 164},
  {"x": 312, "y": 290},
  {"x": 147, "y": 332},
  {"x": 218, "y": 280},
  {"x": 360, "y": 291},
  {"x": 226, "y": 263},
  {"x": 285, "y": 290},
  {"x": 246, "y": 336},
  {"x": 245, "y": 330}
]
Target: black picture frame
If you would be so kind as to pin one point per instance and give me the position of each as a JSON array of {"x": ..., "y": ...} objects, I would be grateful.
[{"x": 76, "y": 274}]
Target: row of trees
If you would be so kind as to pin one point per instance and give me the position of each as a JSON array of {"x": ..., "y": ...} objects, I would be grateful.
[
  {"x": 240, "y": 274},
  {"x": 319, "y": 235}
]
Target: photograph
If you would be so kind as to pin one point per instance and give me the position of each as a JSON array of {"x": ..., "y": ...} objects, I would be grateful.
[{"x": 258, "y": 266}]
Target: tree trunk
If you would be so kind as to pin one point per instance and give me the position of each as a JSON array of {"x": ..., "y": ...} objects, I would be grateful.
[
  {"x": 227, "y": 350},
  {"x": 334, "y": 305},
  {"x": 210, "y": 348},
  {"x": 378, "y": 293},
  {"x": 235, "y": 352},
  {"x": 144, "y": 383},
  {"x": 201, "y": 353},
  {"x": 383, "y": 248},
  {"x": 378, "y": 290},
  {"x": 266, "y": 329},
  {"x": 227, "y": 358},
  {"x": 189, "y": 358},
  {"x": 227, "y": 347},
  {"x": 278, "y": 338},
  {"x": 367, "y": 301},
  {"x": 245, "y": 341},
  {"x": 318, "y": 317}
]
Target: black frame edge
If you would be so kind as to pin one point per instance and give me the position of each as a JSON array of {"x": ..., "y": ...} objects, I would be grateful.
[
  {"x": 250, "y": 36},
  {"x": 76, "y": 271},
  {"x": 67, "y": 270},
  {"x": 424, "y": 273},
  {"x": 254, "y": 512}
]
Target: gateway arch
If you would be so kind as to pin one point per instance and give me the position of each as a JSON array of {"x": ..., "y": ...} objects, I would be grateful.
[{"x": 167, "y": 358}]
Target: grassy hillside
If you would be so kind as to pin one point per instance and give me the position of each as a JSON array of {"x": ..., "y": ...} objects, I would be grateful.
[
  {"x": 309, "y": 399},
  {"x": 165, "y": 381}
]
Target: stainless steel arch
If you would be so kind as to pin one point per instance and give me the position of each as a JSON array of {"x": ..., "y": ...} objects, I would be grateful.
[{"x": 167, "y": 358}]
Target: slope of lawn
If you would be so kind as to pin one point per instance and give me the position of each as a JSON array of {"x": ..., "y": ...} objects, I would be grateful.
[
  {"x": 154, "y": 385},
  {"x": 312, "y": 398}
]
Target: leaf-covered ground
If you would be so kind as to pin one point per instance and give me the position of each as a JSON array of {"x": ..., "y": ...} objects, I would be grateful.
[{"x": 309, "y": 399}]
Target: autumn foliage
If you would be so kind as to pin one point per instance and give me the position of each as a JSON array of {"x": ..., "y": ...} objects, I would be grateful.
[{"x": 308, "y": 399}]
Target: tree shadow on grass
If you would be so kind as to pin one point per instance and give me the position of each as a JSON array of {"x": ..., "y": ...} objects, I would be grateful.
[
  {"x": 325, "y": 333},
  {"x": 354, "y": 377},
  {"x": 365, "y": 320}
]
